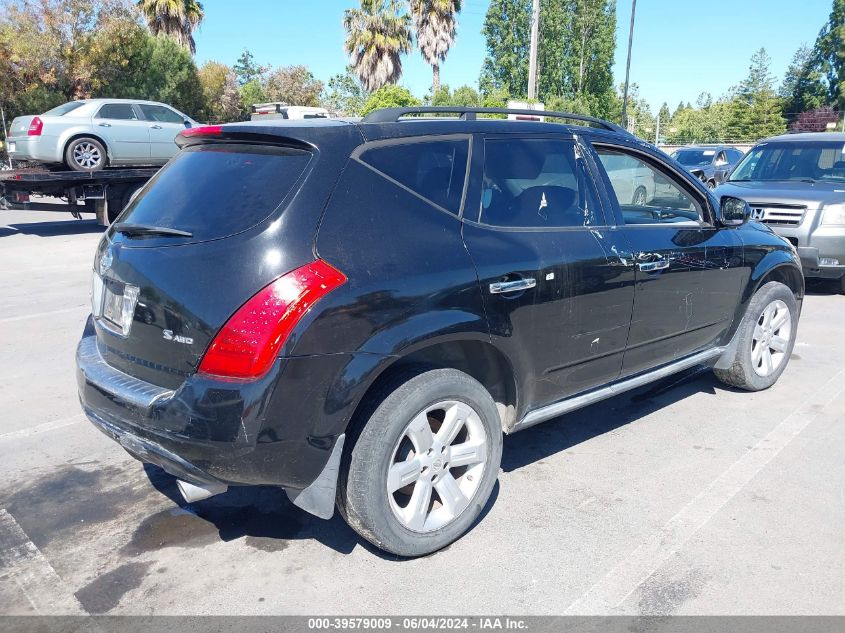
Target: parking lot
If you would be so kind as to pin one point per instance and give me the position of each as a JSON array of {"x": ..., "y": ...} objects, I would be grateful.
[{"x": 681, "y": 498}]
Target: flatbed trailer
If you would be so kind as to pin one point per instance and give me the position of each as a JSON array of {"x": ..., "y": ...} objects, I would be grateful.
[{"x": 104, "y": 193}]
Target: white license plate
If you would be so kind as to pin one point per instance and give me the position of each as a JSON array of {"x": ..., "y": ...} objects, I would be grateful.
[{"x": 11, "y": 147}]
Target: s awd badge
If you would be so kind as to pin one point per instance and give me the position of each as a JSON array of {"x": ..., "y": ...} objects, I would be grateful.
[{"x": 176, "y": 338}]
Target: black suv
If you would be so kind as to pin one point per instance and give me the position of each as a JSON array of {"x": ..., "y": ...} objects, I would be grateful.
[{"x": 357, "y": 311}]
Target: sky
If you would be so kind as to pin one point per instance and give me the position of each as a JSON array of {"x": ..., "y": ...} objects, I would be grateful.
[{"x": 681, "y": 47}]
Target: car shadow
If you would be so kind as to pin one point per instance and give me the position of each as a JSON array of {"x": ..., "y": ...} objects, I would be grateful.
[
  {"x": 569, "y": 430},
  {"x": 52, "y": 229},
  {"x": 265, "y": 518},
  {"x": 819, "y": 287}
]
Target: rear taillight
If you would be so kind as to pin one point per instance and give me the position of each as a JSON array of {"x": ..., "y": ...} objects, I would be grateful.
[
  {"x": 250, "y": 341},
  {"x": 203, "y": 130},
  {"x": 35, "y": 127}
]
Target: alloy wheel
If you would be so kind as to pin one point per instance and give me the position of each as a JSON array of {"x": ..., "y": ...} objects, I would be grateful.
[
  {"x": 87, "y": 155},
  {"x": 437, "y": 466},
  {"x": 770, "y": 342}
]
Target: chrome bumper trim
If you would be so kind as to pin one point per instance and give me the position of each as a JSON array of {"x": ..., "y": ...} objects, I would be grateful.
[{"x": 106, "y": 378}]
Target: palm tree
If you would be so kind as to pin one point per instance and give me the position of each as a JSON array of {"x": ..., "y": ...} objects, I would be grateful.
[
  {"x": 435, "y": 25},
  {"x": 377, "y": 35},
  {"x": 174, "y": 18}
]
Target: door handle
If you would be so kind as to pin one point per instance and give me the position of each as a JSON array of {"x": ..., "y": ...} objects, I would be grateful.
[
  {"x": 512, "y": 286},
  {"x": 105, "y": 124},
  {"x": 649, "y": 267},
  {"x": 155, "y": 127}
]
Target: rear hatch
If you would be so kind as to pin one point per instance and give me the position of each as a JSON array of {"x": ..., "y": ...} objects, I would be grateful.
[{"x": 197, "y": 242}]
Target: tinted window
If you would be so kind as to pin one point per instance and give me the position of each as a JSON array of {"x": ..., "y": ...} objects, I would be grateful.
[
  {"x": 218, "y": 190},
  {"x": 535, "y": 183},
  {"x": 160, "y": 113},
  {"x": 646, "y": 195},
  {"x": 64, "y": 108},
  {"x": 694, "y": 157},
  {"x": 794, "y": 160},
  {"x": 434, "y": 170},
  {"x": 734, "y": 155},
  {"x": 123, "y": 111}
]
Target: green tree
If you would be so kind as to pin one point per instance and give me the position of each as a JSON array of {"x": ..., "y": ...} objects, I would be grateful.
[
  {"x": 247, "y": 70},
  {"x": 462, "y": 96},
  {"x": 177, "y": 19},
  {"x": 830, "y": 53},
  {"x": 506, "y": 31},
  {"x": 222, "y": 101},
  {"x": 252, "y": 92},
  {"x": 390, "y": 96},
  {"x": 575, "y": 51},
  {"x": 803, "y": 87},
  {"x": 294, "y": 85},
  {"x": 345, "y": 94},
  {"x": 755, "y": 110},
  {"x": 435, "y": 24},
  {"x": 377, "y": 35}
]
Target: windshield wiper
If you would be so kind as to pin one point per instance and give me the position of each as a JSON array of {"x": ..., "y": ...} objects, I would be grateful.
[{"x": 129, "y": 229}]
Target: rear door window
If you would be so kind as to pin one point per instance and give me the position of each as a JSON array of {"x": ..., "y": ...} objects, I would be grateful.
[
  {"x": 119, "y": 111},
  {"x": 161, "y": 113},
  {"x": 536, "y": 183},
  {"x": 433, "y": 170},
  {"x": 214, "y": 191}
]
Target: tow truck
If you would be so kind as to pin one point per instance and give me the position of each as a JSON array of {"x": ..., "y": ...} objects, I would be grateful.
[{"x": 104, "y": 193}]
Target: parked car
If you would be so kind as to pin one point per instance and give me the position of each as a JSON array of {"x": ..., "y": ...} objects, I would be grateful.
[
  {"x": 709, "y": 163},
  {"x": 281, "y": 110},
  {"x": 91, "y": 134},
  {"x": 392, "y": 295},
  {"x": 795, "y": 184},
  {"x": 633, "y": 182}
]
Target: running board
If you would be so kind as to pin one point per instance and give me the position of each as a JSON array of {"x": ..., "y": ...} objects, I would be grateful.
[{"x": 576, "y": 402}]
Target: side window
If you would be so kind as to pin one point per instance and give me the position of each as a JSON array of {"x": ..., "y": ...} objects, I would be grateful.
[
  {"x": 734, "y": 155},
  {"x": 160, "y": 113},
  {"x": 434, "y": 170},
  {"x": 536, "y": 183},
  {"x": 120, "y": 111},
  {"x": 646, "y": 195}
]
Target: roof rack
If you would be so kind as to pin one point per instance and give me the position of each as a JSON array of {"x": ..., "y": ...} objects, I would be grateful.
[{"x": 468, "y": 113}]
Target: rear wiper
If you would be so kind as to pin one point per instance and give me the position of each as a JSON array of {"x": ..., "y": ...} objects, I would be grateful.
[{"x": 129, "y": 229}]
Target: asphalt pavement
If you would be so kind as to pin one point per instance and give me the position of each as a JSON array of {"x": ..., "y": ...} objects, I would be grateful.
[{"x": 684, "y": 497}]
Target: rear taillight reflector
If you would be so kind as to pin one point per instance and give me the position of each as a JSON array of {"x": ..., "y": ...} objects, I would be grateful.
[
  {"x": 250, "y": 341},
  {"x": 35, "y": 127}
]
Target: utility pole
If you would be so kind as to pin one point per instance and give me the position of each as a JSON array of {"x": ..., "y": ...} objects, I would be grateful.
[
  {"x": 657, "y": 132},
  {"x": 628, "y": 66},
  {"x": 532, "y": 59}
]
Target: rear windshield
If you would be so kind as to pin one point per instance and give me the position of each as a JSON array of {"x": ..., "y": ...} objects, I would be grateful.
[
  {"x": 64, "y": 108},
  {"x": 215, "y": 191}
]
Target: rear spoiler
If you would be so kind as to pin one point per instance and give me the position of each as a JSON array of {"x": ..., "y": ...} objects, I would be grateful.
[{"x": 222, "y": 134}]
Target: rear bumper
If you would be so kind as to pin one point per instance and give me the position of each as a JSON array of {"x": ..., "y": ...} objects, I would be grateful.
[
  {"x": 207, "y": 431},
  {"x": 39, "y": 148}
]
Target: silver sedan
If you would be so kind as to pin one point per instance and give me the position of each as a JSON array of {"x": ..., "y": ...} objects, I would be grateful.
[{"x": 91, "y": 134}]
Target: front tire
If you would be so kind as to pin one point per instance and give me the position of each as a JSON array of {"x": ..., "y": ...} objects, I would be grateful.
[
  {"x": 424, "y": 464},
  {"x": 85, "y": 154},
  {"x": 640, "y": 197},
  {"x": 765, "y": 339}
]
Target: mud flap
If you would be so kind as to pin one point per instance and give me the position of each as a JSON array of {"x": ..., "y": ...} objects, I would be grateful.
[{"x": 319, "y": 497}]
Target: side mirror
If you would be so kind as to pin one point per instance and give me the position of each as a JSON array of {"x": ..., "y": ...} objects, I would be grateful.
[
  {"x": 733, "y": 211},
  {"x": 188, "y": 123}
]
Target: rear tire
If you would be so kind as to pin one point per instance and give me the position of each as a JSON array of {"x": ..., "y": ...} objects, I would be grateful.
[
  {"x": 424, "y": 464},
  {"x": 765, "y": 339},
  {"x": 85, "y": 154}
]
